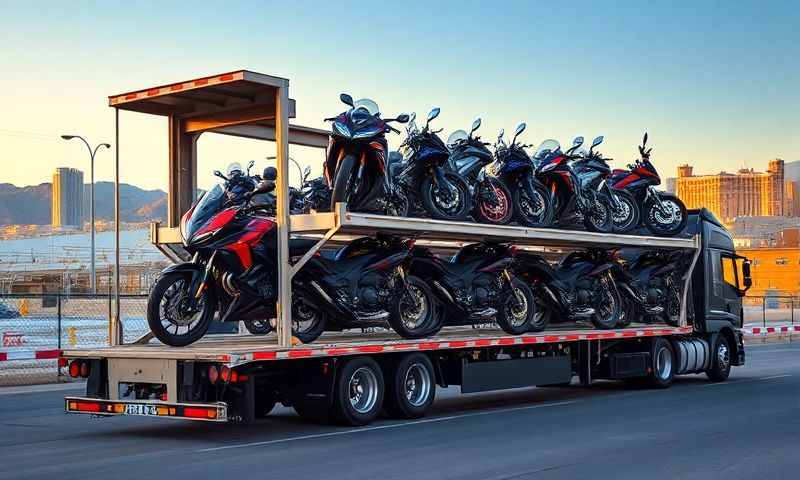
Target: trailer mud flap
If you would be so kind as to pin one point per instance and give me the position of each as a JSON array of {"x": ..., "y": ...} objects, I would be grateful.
[{"x": 523, "y": 372}]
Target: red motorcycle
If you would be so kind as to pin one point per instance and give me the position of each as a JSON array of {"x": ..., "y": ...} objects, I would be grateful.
[
  {"x": 233, "y": 270},
  {"x": 663, "y": 214}
]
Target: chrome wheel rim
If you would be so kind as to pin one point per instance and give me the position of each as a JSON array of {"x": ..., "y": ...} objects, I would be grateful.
[
  {"x": 598, "y": 215},
  {"x": 450, "y": 200},
  {"x": 175, "y": 310},
  {"x": 622, "y": 215},
  {"x": 304, "y": 317},
  {"x": 499, "y": 211},
  {"x": 413, "y": 307},
  {"x": 417, "y": 385},
  {"x": 518, "y": 310},
  {"x": 533, "y": 207},
  {"x": 673, "y": 217},
  {"x": 363, "y": 390},
  {"x": 723, "y": 356},
  {"x": 664, "y": 363}
]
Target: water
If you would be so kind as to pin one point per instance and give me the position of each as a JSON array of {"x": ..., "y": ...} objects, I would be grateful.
[{"x": 74, "y": 251}]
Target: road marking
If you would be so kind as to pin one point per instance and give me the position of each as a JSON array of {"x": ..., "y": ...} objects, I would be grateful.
[
  {"x": 42, "y": 388},
  {"x": 383, "y": 427},
  {"x": 749, "y": 380}
]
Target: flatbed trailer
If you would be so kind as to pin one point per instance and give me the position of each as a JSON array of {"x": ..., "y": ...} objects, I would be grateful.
[{"x": 352, "y": 376}]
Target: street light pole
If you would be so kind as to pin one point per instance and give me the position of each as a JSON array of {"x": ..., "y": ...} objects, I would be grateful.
[{"x": 92, "y": 152}]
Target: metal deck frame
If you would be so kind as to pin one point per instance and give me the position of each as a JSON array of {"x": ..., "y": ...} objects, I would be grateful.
[{"x": 257, "y": 106}]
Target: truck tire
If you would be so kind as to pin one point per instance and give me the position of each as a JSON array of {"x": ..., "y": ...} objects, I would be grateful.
[
  {"x": 358, "y": 392},
  {"x": 663, "y": 363},
  {"x": 720, "y": 367},
  {"x": 410, "y": 387}
]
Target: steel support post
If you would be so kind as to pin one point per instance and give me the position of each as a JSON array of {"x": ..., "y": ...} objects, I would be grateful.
[
  {"x": 687, "y": 281},
  {"x": 116, "y": 324},
  {"x": 284, "y": 307}
]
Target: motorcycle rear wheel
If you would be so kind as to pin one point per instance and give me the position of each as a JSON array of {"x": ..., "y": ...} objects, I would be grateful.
[
  {"x": 260, "y": 326},
  {"x": 438, "y": 206},
  {"x": 600, "y": 218},
  {"x": 173, "y": 288},
  {"x": 501, "y": 212},
  {"x": 627, "y": 216},
  {"x": 341, "y": 183},
  {"x": 308, "y": 321},
  {"x": 656, "y": 222}
]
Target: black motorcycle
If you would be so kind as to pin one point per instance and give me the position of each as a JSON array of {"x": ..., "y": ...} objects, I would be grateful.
[
  {"x": 312, "y": 196},
  {"x": 479, "y": 283},
  {"x": 355, "y": 164},
  {"x": 663, "y": 213},
  {"x": 424, "y": 176},
  {"x": 469, "y": 156},
  {"x": 581, "y": 287},
  {"x": 531, "y": 201},
  {"x": 651, "y": 286},
  {"x": 591, "y": 168},
  {"x": 576, "y": 198},
  {"x": 364, "y": 284}
]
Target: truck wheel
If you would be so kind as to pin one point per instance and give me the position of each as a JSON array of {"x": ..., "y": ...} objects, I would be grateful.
[
  {"x": 720, "y": 367},
  {"x": 358, "y": 392},
  {"x": 411, "y": 387},
  {"x": 663, "y": 363}
]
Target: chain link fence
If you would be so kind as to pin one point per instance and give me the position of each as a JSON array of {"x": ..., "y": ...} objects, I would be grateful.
[
  {"x": 771, "y": 311},
  {"x": 33, "y": 327}
]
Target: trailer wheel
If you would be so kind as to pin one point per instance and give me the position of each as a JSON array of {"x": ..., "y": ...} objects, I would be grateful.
[
  {"x": 663, "y": 364},
  {"x": 411, "y": 387},
  {"x": 720, "y": 367},
  {"x": 358, "y": 392}
]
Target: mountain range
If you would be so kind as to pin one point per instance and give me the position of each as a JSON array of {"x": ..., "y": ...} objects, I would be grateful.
[{"x": 32, "y": 204}]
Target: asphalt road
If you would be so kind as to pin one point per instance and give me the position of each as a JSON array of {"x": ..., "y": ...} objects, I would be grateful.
[{"x": 748, "y": 427}]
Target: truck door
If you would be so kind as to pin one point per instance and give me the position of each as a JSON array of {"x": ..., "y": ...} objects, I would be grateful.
[{"x": 727, "y": 278}]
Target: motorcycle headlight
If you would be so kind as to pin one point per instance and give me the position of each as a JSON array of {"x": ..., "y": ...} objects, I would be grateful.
[
  {"x": 204, "y": 236},
  {"x": 341, "y": 129},
  {"x": 548, "y": 167},
  {"x": 366, "y": 133}
]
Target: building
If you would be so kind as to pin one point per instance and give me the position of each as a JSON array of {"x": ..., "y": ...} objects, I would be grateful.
[
  {"x": 67, "y": 198},
  {"x": 728, "y": 195},
  {"x": 792, "y": 198},
  {"x": 672, "y": 185},
  {"x": 773, "y": 270}
]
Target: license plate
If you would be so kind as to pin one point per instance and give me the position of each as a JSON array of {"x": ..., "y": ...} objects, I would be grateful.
[{"x": 137, "y": 409}]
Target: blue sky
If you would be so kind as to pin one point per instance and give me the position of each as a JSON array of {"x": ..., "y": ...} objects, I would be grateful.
[{"x": 714, "y": 83}]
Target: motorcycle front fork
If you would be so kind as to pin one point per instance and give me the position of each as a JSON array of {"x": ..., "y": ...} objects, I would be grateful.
[{"x": 653, "y": 194}]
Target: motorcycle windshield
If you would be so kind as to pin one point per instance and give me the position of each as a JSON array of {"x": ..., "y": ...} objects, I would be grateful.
[
  {"x": 455, "y": 138},
  {"x": 368, "y": 105},
  {"x": 546, "y": 148},
  {"x": 210, "y": 203}
]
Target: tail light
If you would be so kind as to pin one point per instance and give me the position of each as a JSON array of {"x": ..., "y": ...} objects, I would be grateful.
[
  {"x": 85, "y": 369},
  {"x": 62, "y": 362},
  {"x": 213, "y": 374},
  {"x": 225, "y": 373},
  {"x": 234, "y": 377},
  {"x": 75, "y": 369}
]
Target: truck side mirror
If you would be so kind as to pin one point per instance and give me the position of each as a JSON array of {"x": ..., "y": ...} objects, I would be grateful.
[{"x": 747, "y": 280}]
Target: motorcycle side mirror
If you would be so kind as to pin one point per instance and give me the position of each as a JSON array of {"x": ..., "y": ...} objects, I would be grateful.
[
  {"x": 306, "y": 172},
  {"x": 219, "y": 174},
  {"x": 597, "y": 141},
  {"x": 412, "y": 117},
  {"x": 577, "y": 142},
  {"x": 433, "y": 114},
  {"x": 520, "y": 128},
  {"x": 346, "y": 99},
  {"x": 475, "y": 125},
  {"x": 250, "y": 165},
  {"x": 402, "y": 118},
  {"x": 500, "y": 134}
]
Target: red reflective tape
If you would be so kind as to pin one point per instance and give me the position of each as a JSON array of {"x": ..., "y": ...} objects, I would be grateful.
[
  {"x": 130, "y": 96},
  {"x": 202, "y": 81},
  {"x": 551, "y": 338},
  {"x": 506, "y": 341},
  {"x": 264, "y": 355},
  {"x": 570, "y": 338},
  {"x": 43, "y": 354},
  {"x": 227, "y": 77},
  {"x": 430, "y": 345},
  {"x": 3, "y": 356},
  {"x": 458, "y": 344},
  {"x": 530, "y": 339},
  {"x": 483, "y": 343},
  {"x": 628, "y": 334},
  {"x": 371, "y": 349},
  {"x": 404, "y": 346},
  {"x": 176, "y": 87},
  {"x": 152, "y": 92},
  {"x": 339, "y": 351},
  {"x": 299, "y": 353}
]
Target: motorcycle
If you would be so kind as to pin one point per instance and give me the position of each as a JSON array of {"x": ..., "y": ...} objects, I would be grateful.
[
  {"x": 233, "y": 267},
  {"x": 591, "y": 165},
  {"x": 650, "y": 283},
  {"x": 477, "y": 284},
  {"x": 365, "y": 284},
  {"x": 424, "y": 176},
  {"x": 531, "y": 203},
  {"x": 663, "y": 214},
  {"x": 313, "y": 195},
  {"x": 575, "y": 197},
  {"x": 355, "y": 164},
  {"x": 580, "y": 288},
  {"x": 469, "y": 156}
]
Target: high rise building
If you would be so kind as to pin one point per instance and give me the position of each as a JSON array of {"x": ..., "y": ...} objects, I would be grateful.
[
  {"x": 729, "y": 195},
  {"x": 67, "y": 198}
]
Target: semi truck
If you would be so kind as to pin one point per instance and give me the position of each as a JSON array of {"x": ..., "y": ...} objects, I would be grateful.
[{"x": 352, "y": 377}]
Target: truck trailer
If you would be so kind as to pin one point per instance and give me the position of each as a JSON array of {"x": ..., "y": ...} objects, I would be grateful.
[{"x": 351, "y": 377}]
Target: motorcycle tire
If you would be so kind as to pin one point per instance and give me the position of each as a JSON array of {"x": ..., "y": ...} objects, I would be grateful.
[
  {"x": 426, "y": 307},
  {"x": 303, "y": 311},
  {"x": 600, "y": 219},
  {"x": 611, "y": 305},
  {"x": 515, "y": 319},
  {"x": 163, "y": 288},
  {"x": 400, "y": 205},
  {"x": 498, "y": 214},
  {"x": 461, "y": 206},
  {"x": 260, "y": 326},
  {"x": 341, "y": 182},
  {"x": 627, "y": 217},
  {"x": 628, "y": 314},
  {"x": 541, "y": 317},
  {"x": 542, "y": 217},
  {"x": 652, "y": 216}
]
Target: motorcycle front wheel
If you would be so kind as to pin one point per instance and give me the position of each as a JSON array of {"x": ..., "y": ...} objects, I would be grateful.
[
  {"x": 599, "y": 218},
  {"x": 416, "y": 313},
  {"x": 533, "y": 212},
  {"x": 443, "y": 203},
  {"x": 669, "y": 221},
  {"x": 308, "y": 320},
  {"x": 515, "y": 314},
  {"x": 174, "y": 318},
  {"x": 607, "y": 307},
  {"x": 341, "y": 182},
  {"x": 498, "y": 212},
  {"x": 625, "y": 213},
  {"x": 261, "y": 326}
]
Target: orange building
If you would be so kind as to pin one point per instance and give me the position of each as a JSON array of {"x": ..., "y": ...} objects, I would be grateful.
[
  {"x": 728, "y": 195},
  {"x": 774, "y": 269}
]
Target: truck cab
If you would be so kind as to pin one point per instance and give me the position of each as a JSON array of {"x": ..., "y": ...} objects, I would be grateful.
[{"x": 720, "y": 279}]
